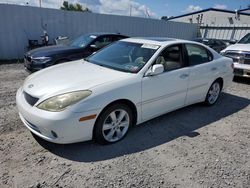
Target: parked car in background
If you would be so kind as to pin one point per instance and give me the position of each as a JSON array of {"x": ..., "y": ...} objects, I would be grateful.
[
  {"x": 126, "y": 83},
  {"x": 240, "y": 53},
  {"x": 215, "y": 44},
  {"x": 78, "y": 48}
]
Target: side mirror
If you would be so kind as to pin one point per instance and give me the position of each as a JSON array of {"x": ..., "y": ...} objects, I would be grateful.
[
  {"x": 155, "y": 70},
  {"x": 233, "y": 41}
]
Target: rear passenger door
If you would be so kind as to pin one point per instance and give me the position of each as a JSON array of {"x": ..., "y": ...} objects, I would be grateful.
[{"x": 201, "y": 64}]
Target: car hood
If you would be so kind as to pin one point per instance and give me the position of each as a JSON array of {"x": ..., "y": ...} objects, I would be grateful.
[
  {"x": 238, "y": 47},
  {"x": 50, "y": 50},
  {"x": 67, "y": 77}
]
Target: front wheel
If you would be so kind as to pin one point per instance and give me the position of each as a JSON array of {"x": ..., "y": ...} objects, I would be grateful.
[
  {"x": 213, "y": 93},
  {"x": 113, "y": 124}
]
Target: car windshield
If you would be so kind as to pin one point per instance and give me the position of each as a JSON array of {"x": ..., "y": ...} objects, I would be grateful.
[
  {"x": 82, "y": 41},
  {"x": 124, "y": 56},
  {"x": 245, "y": 39}
]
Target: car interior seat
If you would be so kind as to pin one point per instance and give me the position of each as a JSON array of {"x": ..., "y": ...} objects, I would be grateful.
[
  {"x": 173, "y": 60},
  {"x": 161, "y": 60}
]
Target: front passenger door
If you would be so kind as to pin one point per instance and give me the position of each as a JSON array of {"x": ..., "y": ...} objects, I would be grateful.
[{"x": 167, "y": 91}]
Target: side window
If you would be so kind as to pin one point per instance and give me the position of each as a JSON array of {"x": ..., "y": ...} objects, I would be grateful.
[
  {"x": 103, "y": 41},
  {"x": 219, "y": 43},
  {"x": 170, "y": 58},
  {"x": 211, "y": 42},
  {"x": 115, "y": 38},
  {"x": 197, "y": 54}
]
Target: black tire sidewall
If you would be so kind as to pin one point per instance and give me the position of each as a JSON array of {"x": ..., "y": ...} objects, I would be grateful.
[{"x": 97, "y": 134}]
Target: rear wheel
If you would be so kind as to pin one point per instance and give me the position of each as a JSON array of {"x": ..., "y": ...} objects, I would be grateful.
[
  {"x": 213, "y": 93},
  {"x": 113, "y": 124}
]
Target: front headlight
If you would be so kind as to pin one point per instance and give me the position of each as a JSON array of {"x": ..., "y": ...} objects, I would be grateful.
[
  {"x": 60, "y": 102},
  {"x": 41, "y": 59}
]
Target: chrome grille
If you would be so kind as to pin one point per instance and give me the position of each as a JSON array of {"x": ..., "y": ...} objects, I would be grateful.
[
  {"x": 31, "y": 100},
  {"x": 239, "y": 56}
]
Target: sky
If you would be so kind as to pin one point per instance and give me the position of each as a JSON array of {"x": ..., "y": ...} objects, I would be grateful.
[{"x": 141, "y": 8}]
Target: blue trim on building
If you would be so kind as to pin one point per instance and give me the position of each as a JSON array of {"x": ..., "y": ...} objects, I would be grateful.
[{"x": 211, "y": 9}]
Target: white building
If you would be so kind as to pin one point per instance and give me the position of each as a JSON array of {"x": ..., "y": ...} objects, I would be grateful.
[{"x": 218, "y": 23}]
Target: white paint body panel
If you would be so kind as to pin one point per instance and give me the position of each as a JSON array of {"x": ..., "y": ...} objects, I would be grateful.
[
  {"x": 244, "y": 67},
  {"x": 151, "y": 95},
  {"x": 238, "y": 47},
  {"x": 165, "y": 90}
]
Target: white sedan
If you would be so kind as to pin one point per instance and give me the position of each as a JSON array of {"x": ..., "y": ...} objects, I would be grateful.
[{"x": 126, "y": 83}]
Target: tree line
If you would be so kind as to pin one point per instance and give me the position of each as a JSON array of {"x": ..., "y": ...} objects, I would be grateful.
[{"x": 74, "y": 7}]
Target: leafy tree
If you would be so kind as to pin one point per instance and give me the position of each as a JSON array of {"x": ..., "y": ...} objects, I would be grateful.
[{"x": 74, "y": 7}]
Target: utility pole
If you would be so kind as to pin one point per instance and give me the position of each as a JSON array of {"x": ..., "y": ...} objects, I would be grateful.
[
  {"x": 130, "y": 10},
  {"x": 40, "y": 3},
  {"x": 147, "y": 13}
]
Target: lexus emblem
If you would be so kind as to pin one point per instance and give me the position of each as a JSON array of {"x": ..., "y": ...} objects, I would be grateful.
[{"x": 30, "y": 86}]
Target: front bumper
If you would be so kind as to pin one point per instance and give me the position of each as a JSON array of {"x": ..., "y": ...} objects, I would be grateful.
[
  {"x": 58, "y": 127},
  {"x": 241, "y": 70},
  {"x": 32, "y": 67}
]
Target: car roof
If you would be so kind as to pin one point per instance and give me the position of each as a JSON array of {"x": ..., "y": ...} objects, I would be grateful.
[
  {"x": 161, "y": 41},
  {"x": 105, "y": 33}
]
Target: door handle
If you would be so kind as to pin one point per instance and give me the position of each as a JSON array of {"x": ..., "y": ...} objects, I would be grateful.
[
  {"x": 183, "y": 76},
  {"x": 213, "y": 69}
]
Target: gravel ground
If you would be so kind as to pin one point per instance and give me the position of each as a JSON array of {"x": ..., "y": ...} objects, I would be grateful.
[{"x": 196, "y": 146}]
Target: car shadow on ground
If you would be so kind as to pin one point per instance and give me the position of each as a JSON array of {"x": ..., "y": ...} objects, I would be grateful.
[
  {"x": 183, "y": 122},
  {"x": 241, "y": 80}
]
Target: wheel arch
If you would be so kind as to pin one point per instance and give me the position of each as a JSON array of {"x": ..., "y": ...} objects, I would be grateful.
[{"x": 220, "y": 80}]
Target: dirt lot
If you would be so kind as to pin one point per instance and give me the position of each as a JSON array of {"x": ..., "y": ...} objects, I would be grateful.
[{"x": 196, "y": 146}]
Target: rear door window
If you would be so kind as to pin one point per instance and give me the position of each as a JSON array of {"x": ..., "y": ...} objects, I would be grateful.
[{"x": 197, "y": 54}]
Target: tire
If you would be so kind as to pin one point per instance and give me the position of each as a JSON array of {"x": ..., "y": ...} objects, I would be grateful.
[
  {"x": 213, "y": 93},
  {"x": 109, "y": 128}
]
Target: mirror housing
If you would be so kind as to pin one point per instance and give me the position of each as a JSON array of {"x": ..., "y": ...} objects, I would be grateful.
[
  {"x": 155, "y": 70},
  {"x": 233, "y": 41}
]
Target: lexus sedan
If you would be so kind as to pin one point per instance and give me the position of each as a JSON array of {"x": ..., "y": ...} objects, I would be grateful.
[
  {"x": 124, "y": 84},
  {"x": 78, "y": 48}
]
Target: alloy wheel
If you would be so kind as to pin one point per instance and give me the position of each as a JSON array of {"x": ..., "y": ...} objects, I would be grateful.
[
  {"x": 214, "y": 93},
  {"x": 116, "y": 125}
]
